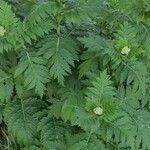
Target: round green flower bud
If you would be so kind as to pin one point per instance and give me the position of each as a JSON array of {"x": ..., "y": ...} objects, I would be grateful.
[
  {"x": 125, "y": 50},
  {"x": 98, "y": 111}
]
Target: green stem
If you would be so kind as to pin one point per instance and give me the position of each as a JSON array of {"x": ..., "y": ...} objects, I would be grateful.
[
  {"x": 58, "y": 34},
  {"x": 23, "y": 111},
  {"x": 88, "y": 139},
  {"x": 57, "y": 46},
  {"x": 29, "y": 59}
]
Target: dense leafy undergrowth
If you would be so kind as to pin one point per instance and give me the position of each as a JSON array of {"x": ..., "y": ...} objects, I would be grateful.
[{"x": 74, "y": 74}]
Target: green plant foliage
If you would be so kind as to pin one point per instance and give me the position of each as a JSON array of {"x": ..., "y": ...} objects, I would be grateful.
[
  {"x": 35, "y": 73},
  {"x": 20, "y": 117},
  {"x": 52, "y": 133},
  {"x": 74, "y": 74},
  {"x": 6, "y": 86},
  {"x": 60, "y": 56}
]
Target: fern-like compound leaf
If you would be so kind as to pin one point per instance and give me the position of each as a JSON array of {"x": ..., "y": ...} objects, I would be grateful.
[
  {"x": 35, "y": 73},
  {"x": 21, "y": 120},
  {"x": 61, "y": 53},
  {"x": 52, "y": 134}
]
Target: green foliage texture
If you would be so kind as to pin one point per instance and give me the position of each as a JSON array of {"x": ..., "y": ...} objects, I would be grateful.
[{"x": 74, "y": 74}]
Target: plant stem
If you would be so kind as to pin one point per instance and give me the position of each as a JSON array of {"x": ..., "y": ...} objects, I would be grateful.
[{"x": 58, "y": 34}]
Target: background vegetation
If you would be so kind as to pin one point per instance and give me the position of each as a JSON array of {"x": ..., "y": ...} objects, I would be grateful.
[{"x": 74, "y": 74}]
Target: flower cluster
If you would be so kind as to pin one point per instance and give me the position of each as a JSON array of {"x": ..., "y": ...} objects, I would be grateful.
[
  {"x": 125, "y": 50},
  {"x": 98, "y": 111}
]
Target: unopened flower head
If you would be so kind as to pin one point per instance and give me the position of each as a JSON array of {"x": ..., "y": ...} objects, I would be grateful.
[
  {"x": 2, "y": 31},
  {"x": 125, "y": 50},
  {"x": 98, "y": 111}
]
